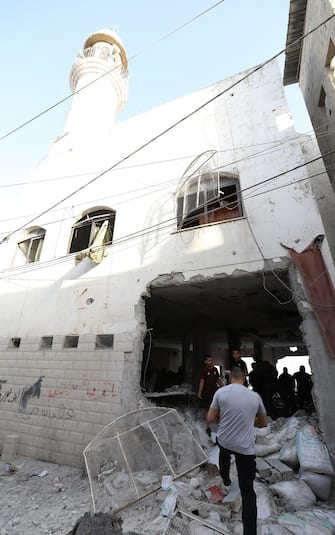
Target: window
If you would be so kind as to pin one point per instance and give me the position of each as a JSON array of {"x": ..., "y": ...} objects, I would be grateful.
[
  {"x": 71, "y": 341},
  {"x": 31, "y": 246},
  {"x": 46, "y": 342},
  {"x": 324, "y": 102},
  {"x": 208, "y": 197},
  {"x": 14, "y": 343},
  {"x": 330, "y": 54},
  {"x": 330, "y": 61},
  {"x": 104, "y": 341},
  {"x": 86, "y": 231}
]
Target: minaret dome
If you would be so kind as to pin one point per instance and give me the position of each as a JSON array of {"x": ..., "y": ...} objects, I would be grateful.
[{"x": 99, "y": 79}]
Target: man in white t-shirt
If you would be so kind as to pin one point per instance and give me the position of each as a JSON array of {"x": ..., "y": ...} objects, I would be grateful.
[{"x": 237, "y": 410}]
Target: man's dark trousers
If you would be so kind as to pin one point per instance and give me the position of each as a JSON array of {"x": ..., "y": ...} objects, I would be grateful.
[{"x": 246, "y": 471}]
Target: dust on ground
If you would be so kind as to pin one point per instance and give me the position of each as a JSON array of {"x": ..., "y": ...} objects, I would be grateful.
[{"x": 42, "y": 498}]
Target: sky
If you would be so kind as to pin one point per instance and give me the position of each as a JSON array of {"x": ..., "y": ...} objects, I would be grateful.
[{"x": 40, "y": 41}]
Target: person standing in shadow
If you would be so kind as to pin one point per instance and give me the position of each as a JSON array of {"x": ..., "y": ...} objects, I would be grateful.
[{"x": 209, "y": 383}]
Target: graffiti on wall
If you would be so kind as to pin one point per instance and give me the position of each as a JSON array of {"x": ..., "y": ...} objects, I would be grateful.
[{"x": 56, "y": 407}]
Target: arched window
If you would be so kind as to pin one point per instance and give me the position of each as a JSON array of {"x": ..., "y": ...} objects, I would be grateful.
[
  {"x": 208, "y": 196},
  {"x": 30, "y": 247},
  {"x": 85, "y": 231}
]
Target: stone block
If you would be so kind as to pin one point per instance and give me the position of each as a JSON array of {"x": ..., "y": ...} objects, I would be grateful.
[
  {"x": 10, "y": 447},
  {"x": 285, "y": 471},
  {"x": 262, "y": 467}
]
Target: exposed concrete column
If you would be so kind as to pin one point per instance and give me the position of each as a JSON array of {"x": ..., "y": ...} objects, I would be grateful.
[
  {"x": 200, "y": 341},
  {"x": 234, "y": 342},
  {"x": 188, "y": 357},
  {"x": 322, "y": 366},
  {"x": 258, "y": 350},
  {"x": 323, "y": 375}
]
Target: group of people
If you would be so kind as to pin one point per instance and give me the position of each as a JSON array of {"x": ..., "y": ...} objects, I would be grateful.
[
  {"x": 293, "y": 391},
  {"x": 236, "y": 410}
]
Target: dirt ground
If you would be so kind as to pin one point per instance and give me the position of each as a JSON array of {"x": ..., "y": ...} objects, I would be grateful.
[{"x": 32, "y": 503}]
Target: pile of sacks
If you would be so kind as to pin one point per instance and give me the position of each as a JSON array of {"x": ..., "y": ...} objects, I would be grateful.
[{"x": 297, "y": 444}]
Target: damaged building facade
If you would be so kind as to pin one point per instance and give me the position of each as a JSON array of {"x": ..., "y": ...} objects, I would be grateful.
[
  {"x": 165, "y": 238},
  {"x": 311, "y": 63}
]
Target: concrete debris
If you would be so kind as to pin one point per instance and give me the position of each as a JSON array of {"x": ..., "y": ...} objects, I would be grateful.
[
  {"x": 128, "y": 458},
  {"x": 98, "y": 524},
  {"x": 285, "y": 489}
]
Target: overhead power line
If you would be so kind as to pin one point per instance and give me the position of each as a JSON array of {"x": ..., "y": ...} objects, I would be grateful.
[
  {"x": 275, "y": 144},
  {"x": 171, "y": 221},
  {"x": 61, "y": 101},
  {"x": 171, "y": 127}
]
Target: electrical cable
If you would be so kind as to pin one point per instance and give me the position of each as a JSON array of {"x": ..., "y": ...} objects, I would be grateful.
[
  {"x": 169, "y": 128},
  {"x": 297, "y": 137},
  {"x": 195, "y": 218},
  {"x": 148, "y": 359},
  {"x": 43, "y": 112}
]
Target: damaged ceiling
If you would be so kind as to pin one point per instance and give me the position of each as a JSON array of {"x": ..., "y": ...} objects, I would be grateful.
[{"x": 227, "y": 303}]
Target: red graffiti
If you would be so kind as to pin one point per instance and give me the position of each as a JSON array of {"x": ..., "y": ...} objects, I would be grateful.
[{"x": 54, "y": 393}]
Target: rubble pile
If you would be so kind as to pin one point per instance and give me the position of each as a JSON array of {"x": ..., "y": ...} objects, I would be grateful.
[{"x": 293, "y": 485}]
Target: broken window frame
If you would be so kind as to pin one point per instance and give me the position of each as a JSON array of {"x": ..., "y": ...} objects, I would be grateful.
[
  {"x": 211, "y": 206},
  {"x": 201, "y": 199},
  {"x": 93, "y": 219},
  {"x": 31, "y": 246}
]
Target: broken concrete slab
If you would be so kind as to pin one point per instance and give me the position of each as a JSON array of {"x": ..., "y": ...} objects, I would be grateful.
[
  {"x": 233, "y": 499},
  {"x": 262, "y": 467},
  {"x": 99, "y": 524},
  {"x": 286, "y": 473}
]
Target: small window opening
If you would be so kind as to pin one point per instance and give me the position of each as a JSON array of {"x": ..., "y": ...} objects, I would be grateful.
[
  {"x": 330, "y": 53},
  {"x": 104, "y": 341},
  {"x": 71, "y": 341},
  {"x": 322, "y": 97},
  {"x": 31, "y": 247},
  {"x": 325, "y": 103},
  {"x": 85, "y": 231},
  {"x": 14, "y": 343},
  {"x": 46, "y": 342}
]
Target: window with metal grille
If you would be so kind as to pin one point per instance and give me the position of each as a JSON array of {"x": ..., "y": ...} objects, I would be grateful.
[
  {"x": 30, "y": 248},
  {"x": 85, "y": 231},
  {"x": 208, "y": 197}
]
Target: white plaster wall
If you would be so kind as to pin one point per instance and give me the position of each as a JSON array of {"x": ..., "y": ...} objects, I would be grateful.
[
  {"x": 314, "y": 74},
  {"x": 251, "y": 126}
]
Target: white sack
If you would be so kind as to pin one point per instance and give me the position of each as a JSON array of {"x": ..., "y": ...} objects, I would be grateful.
[
  {"x": 324, "y": 514},
  {"x": 262, "y": 431},
  {"x": 265, "y": 449},
  {"x": 264, "y": 509},
  {"x": 288, "y": 454},
  {"x": 319, "y": 483},
  {"x": 312, "y": 518},
  {"x": 312, "y": 453},
  {"x": 300, "y": 526},
  {"x": 295, "y": 493},
  {"x": 292, "y": 424},
  {"x": 274, "y": 529}
]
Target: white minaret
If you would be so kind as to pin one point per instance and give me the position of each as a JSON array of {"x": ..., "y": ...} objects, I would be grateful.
[{"x": 103, "y": 64}]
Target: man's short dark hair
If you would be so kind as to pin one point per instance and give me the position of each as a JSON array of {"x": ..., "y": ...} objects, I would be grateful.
[{"x": 237, "y": 373}]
